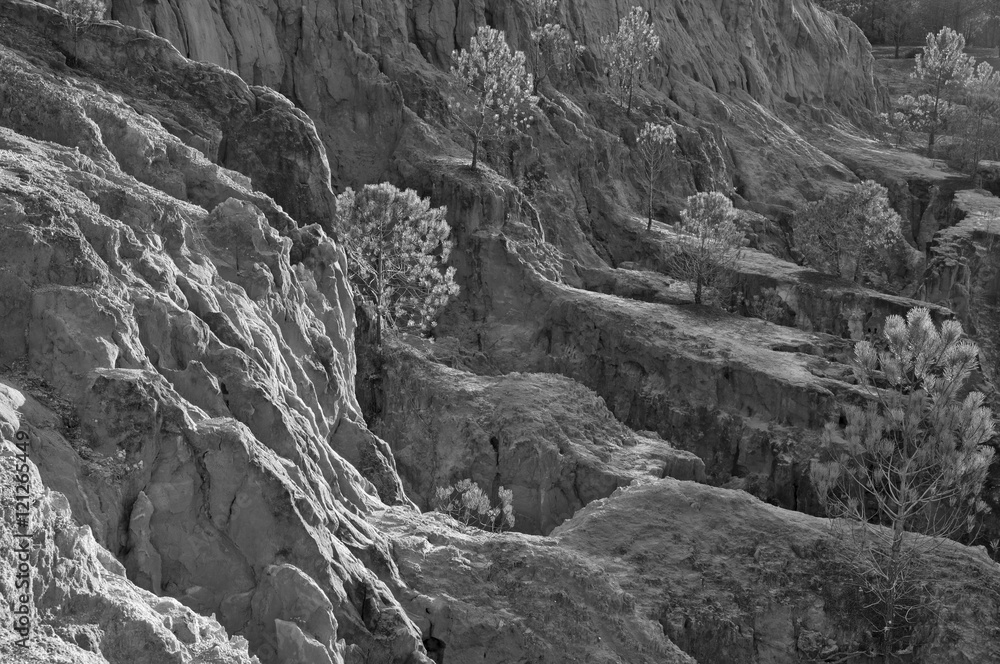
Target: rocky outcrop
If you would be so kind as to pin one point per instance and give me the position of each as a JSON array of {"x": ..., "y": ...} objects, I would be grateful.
[
  {"x": 187, "y": 381},
  {"x": 551, "y": 441},
  {"x": 682, "y": 572},
  {"x": 82, "y": 608},
  {"x": 178, "y": 341},
  {"x": 741, "y": 68}
]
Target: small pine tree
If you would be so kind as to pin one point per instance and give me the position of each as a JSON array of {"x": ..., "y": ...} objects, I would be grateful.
[
  {"x": 850, "y": 233},
  {"x": 555, "y": 49},
  {"x": 469, "y": 504},
  {"x": 914, "y": 114},
  {"x": 914, "y": 460},
  {"x": 630, "y": 52},
  {"x": 495, "y": 78},
  {"x": 710, "y": 245},
  {"x": 942, "y": 67},
  {"x": 396, "y": 244},
  {"x": 80, "y": 14},
  {"x": 653, "y": 150}
]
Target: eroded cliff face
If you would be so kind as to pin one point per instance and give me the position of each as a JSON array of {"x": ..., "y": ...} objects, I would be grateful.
[
  {"x": 745, "y": 68},
  {"x": 178, "y": 342},
  {"x": 181, "y": 347}
]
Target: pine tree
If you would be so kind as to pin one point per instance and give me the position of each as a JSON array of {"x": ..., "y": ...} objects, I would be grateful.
[
  {"x": 914, "y": 460},
  {"x": 710, "y": 244},
  {"x": 653, "y": 150},
  {"x": 630, "y": 52},
  {"x": 555, "y": 51},
  {"x": 396, "y": 244},
  {"x": 848, "y": 233},
  {"x": 495, "y": 79},
  {"x": 942, "y": 67}
]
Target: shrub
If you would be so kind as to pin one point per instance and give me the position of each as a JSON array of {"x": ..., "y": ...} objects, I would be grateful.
[
  {"x": 768, "y": 305},
  {"x": 499, "y": 86},
  {"x": 912, "y": 461},
  {"x": 710, "y": 243},
  {"x": 848, "y": 233},
  {"x": 396, "y": 244},
  {"x": 630, "y": 52},
  {"x": 468, "y": 503}
]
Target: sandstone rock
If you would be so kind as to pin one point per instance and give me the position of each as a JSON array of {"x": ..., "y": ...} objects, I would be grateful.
[
  {"x": 136, "y": 264},
  {"x": 183, "y": 330},
  {"x": 143, "y": 561},
  {"x": 738, "y": 64},
  {"x": 83, "y": 607},
  {"x": 726, "y": 577},
  {"x": 549, "y": 440}
]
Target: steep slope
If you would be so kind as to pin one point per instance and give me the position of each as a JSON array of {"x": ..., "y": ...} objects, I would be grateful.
[
  {"x": 182, "y": 348},
  {"x": 681, "y": 572},
  {"x": 744, "y": 67},
  {"x": 734, "y": 78},
  {"x": 178, "y": 342}
]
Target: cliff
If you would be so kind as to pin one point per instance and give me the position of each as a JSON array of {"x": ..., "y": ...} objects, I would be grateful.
[
  {"x": 179, "y": 345},
  {"x": 741, "y": 71}
]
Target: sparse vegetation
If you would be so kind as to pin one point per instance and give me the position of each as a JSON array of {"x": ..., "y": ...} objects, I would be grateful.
[
  {"x": 848, "y": 234},
  {"x": 710, "y": 245},
  {"x": 913, "y": 460},
  {"x": 466, "y": 502},
  {"x": 396, "y": 245},
  {"x": 629, "y": 52},
  {"x": 495, "y": 79},
  {"x": 652, "y": 151}
]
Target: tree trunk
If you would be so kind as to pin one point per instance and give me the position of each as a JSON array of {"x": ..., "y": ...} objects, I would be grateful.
[
  {"x": 934, "y": 122},
  {"x": 889, "y": 612},
  {"x": 475, "y": 151},
  {"x": 697, "y": 290},
  {"x": 649, "y": 208}
]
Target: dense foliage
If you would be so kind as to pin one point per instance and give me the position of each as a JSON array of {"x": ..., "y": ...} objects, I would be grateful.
[
  {"x": 898, "y": 22},
  {"x": 850, "y": 233},
  {"x": 396, "y": 245}
]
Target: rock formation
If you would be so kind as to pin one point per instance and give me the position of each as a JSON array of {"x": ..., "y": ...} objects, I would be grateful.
[{"x": 178, "y": 342}]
